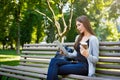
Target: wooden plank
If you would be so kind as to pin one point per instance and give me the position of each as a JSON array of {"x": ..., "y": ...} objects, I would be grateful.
[
  {"x": 27, "y": 68},
  {"x": 86, "y": 77},
  {"x": 41, "y": 48},
  {"x": 108, "y": 66},
  {"x": 72, "y": 43},
  {"x": 22, "y": 73},
  {"x": 109, "y": 43},
  {"x": 39, "y": 61},
  {"x": 48, "y": 44},
  {"x": 39, "y": 52},
  {"x": 109, "y": 59},
  {"x": 18, "y": 76},
  {"x": 34, "y": 65},
  {"x": 109, "y": 54},
  {"x": 108, "y": 76},
  {"x": 102, "y": 48},
  {"x": 56, "y": 48},
  {"x": 39, "y": 45},
  {"x": 36, "y": 56},
  {"x": 109, "y": 72}
]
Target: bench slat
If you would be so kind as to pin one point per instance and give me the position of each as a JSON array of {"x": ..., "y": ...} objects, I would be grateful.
[
  {"x": 109, "y": 71},
  {"x": 86, "y": 77},
  {"x": 104, "y": 65},
  {"x": 42, "y": 60},
  {"x": 38, "y": 52},
  {"x": 109, "y": 43},
  {"x": 110, "y": 54},
  {"x": 23, "y": 73},
  {"x": 17, "y": 76},
  {"x": 34, "y": 65},
  {"x": 41, "y": 48},
  {"x": 26, "y": 68},
  {"x": 102, "y": 48},
  {"x": 108, "y": 76},
  {"x": 39, "y": 57},
  {"x": 110, "y": 59},
  {"x": 48, "y": 44}
]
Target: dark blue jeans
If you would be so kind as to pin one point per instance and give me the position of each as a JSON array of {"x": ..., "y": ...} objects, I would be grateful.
[{"x": 64, "y": 67}]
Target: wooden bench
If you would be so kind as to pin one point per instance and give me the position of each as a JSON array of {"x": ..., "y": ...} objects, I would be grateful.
[{"x": 35, "y": 59}]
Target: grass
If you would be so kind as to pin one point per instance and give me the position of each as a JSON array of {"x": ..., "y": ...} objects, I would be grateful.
[{"x": 9, "y": 57}]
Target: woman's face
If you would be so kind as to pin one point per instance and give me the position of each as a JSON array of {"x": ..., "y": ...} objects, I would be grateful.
[{"x": 80, "y": 27}]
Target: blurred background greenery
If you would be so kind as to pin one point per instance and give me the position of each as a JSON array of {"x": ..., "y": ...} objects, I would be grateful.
[{"x": 36, "y": 21}]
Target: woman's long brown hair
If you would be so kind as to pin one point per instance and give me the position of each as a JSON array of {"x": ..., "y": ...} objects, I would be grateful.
[{"x": 84, "y": 20}]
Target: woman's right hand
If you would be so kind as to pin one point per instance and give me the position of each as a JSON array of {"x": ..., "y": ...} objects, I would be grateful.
[
  {"x": 84, "y": 51},
  {"x": 61, "y": 52}
]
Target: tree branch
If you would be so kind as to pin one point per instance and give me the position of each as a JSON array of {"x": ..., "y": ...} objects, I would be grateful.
[
  {"x": 55, "y": 21},
  {"x": 48, "y": 2},
  {"x": 44, "y": 15},
  {"x": 63, "y": 19},
  {"x": 71, "y": 15},
  {"x": 67, "y": 28}
]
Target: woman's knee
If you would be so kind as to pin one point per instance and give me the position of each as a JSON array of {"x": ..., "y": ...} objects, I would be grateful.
[{"x": 54, "y": 60}]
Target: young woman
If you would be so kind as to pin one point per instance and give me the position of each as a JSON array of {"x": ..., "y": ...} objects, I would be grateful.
[{"x": 85, "y": 59}]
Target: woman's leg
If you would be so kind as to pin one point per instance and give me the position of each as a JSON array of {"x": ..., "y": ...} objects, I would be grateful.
[
  {"x": 54, "y": 65},
  {"x": 77, "y": 68}
]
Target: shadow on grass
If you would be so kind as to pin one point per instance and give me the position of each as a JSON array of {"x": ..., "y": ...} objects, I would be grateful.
[
  {"x": 6, "y": 78},
  {"x": 11, "y": 63}
]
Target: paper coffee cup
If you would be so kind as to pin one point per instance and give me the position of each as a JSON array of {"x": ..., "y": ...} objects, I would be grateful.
[{"x": 84, "y": 44}]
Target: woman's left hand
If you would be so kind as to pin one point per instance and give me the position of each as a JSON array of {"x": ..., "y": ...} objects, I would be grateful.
[{"x": 84, "y": 51}]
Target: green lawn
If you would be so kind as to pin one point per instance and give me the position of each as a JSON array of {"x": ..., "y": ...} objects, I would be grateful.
[{"x": 9, "y": 57}]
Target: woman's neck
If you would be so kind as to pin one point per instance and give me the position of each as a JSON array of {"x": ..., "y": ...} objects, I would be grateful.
[{"x": 86, "y": 36}]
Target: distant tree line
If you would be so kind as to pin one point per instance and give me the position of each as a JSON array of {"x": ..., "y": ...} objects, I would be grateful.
[{"x": 30, "y": 21}]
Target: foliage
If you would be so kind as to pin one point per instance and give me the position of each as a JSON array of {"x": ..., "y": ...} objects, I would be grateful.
[
  {"x": 55, "y": 19},
  {"x": 58, "y": 16}
]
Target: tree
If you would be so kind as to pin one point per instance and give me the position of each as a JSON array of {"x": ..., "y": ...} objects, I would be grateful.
[
  {"x": 59, "y": 14},
  {"x": 32, "y": 28},
  {"x": 6, "y": 20}
]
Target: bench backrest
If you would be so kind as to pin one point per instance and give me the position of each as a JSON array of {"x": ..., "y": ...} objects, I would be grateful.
[
  {"x": 39, "y": 55},
  {"x": 109, "y": 59}
]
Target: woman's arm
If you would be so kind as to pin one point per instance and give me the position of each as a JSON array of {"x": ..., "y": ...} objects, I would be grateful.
[
  {"x": 74, "y": 53},
  {"x": 93, "y": 50}
]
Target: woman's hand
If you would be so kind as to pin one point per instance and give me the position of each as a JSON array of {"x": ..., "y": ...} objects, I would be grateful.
[
  {"x": 84, "y": 51},
  {"x": 61, "y": 52}
]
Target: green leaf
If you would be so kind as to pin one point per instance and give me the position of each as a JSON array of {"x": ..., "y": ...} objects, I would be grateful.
[
  {"x": 58, "y": 16},
  {"x": 70, "y": 1},
  {"x": 52, "y": 2}
]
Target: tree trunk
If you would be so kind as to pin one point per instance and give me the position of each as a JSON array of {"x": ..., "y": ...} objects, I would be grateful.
[
  {"x": 18, "y": 39},
  {"x": 18, "y": 26}
]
